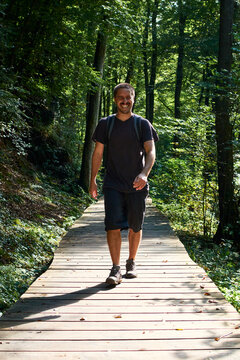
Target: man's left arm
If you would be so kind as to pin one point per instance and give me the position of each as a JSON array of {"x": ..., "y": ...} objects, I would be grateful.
[{"x": 141, "y": 180}]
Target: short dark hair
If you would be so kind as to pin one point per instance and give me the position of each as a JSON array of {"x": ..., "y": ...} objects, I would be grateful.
[{"x": 124, "y": 86}]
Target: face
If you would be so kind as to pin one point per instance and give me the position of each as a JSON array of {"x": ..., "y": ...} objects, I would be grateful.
[{"x": 124, "y": 100}]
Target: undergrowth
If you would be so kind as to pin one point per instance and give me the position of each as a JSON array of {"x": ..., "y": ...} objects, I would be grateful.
[{"x": 35, "y": 212}]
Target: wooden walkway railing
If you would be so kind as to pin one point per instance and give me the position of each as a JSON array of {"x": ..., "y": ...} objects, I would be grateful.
[{"x": 171, "y": 311}]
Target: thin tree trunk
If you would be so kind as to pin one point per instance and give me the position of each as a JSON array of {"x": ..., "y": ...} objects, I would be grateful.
[
  {"x": 93, "y": 112},
  {"x": 145, "y": 59},
  {"x": 130, "y": 71},
  {"x": 154, "y": 62},
  {"x": 228, "y": 211},
  {"x": 179, "y": 73}
]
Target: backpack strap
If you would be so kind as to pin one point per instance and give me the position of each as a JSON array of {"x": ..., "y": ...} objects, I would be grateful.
[
  {"x": 110, "y": 123},
  {"x": 136, "y": 122},
  {"x": 137, "y": 126}
]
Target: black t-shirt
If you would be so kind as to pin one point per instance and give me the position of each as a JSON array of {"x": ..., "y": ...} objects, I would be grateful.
[{"x": 125, "y": 153}]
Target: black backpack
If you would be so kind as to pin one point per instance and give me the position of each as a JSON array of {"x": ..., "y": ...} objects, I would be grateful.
[{"x": 137, "y": 125}]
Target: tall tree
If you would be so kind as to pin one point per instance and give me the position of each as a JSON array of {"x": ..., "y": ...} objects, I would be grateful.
[
  {"x": 150, "y": 78},
  {"x": 228, "y": 211},
  {"x": 93, "y": 110},
  {"x": 179, "y": 72}
]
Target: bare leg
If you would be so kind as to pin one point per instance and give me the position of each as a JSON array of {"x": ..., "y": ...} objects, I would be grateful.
[
  {"x": 134, "y": 241},
  {"x": 114, "y": 244}
]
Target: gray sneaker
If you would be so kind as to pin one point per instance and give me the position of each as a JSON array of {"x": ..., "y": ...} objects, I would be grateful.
[
  {"x": 131, "y": 269},
  {"x": 115, "y": 276}
]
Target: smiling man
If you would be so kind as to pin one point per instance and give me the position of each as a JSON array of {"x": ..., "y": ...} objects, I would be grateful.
[{"x": 130, "y": 156}]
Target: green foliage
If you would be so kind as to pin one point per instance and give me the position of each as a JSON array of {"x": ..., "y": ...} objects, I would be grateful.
[
  {"x": 221, "y": 262},
  {"x": 33, "y": 219},
  {"x": 183, "y": 182}
]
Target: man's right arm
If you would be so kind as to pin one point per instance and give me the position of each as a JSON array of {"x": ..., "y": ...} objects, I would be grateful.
[{"x": 96, "y": 163}]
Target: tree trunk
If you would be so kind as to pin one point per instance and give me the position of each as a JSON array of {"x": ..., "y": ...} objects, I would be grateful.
[
  {"x": 228, "y": 211},
  {"x": 150, "y": 83},
  {"x": 179, "y": 73},
  {"x": 92, "y": 113},
  {"x": 130, "y": 71},
  {"x": 154, "y": 62},
  {"x": 145, "y": 59}
]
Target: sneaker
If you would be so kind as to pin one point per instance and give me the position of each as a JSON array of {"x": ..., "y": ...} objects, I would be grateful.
[
  {"x": 131, "y": 269},
  {"x": 115, "y": 276}
]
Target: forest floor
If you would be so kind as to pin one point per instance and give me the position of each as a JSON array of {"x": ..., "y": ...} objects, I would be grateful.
[{"x": 35, "y": 212}]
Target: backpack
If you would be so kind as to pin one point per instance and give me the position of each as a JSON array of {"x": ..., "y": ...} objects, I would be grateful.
[{"x": 137, "y": 125}]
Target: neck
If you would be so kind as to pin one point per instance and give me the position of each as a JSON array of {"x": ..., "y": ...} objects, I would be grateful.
[{"x": 122, "y": 116}]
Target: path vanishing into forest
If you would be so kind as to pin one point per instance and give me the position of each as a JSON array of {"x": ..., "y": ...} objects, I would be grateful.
[{"x": 171, "y": 311}]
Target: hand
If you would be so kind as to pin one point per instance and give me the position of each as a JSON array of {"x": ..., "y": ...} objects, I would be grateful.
[
  {"x": 93, "y": 190},
  {"x": 140, "y": 182}
]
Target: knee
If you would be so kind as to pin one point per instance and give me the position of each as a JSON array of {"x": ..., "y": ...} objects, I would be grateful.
[
  {"x": 134, "y": 232},
  {"x": 115, "y": 231}
]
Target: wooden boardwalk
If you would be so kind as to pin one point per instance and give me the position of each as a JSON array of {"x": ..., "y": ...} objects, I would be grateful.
[{"x": 171, "y": 311}]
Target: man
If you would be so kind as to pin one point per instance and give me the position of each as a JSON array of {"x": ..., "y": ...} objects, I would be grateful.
[{"x": 129, "y": 162}]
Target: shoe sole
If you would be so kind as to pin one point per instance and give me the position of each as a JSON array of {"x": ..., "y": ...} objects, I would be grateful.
[
  {"x": 110, "y": 281},
  {"x": 130, "y": 276}
]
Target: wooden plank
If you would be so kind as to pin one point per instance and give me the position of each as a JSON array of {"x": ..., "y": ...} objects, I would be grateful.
[
  {"x": 139, "y": 283},
  {"x": 150, "y": 277},
  {"x": 88, "y": 301},
  {"x": 50, "y": 322},
  {"x": 126, "y": 317},
  {"x": 229, "y": 354},
  {"x": 75, "y": 309},
  {"x": 122, "y": 290},
  {"x": 117, "y": 335},
  {"x": 78, "y": 295},
  {"x": 127, "y": 287},
  {"x": 118, "y": 345}
]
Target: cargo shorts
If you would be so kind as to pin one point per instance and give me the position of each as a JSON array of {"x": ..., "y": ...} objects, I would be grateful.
[{"x": 124, "y": 210}]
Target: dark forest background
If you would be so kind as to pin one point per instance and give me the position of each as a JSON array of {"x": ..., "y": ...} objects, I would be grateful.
[{"x": 60, "y": 61}]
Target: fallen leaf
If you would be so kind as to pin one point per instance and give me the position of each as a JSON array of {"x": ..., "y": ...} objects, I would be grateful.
[
  {"x": 117, "y": 316},
  {"x": 237, "y": 327},
  {"x": 223, "y": 336},
  {"x": 82, "y": 319},
  {"x": 211, "y": 301},
  {"x": 202, "y": 286},
  {"x": 207, "y": 294},
  {"x": 199, "y": 311},
  {"x": 179, "y": 329}
]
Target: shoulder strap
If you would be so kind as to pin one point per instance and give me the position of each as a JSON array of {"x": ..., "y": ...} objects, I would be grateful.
[
  {"x": 137, "y": 126},
  {"x": 136, "y": 121},
  {"x": 110, "y": 123}
]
